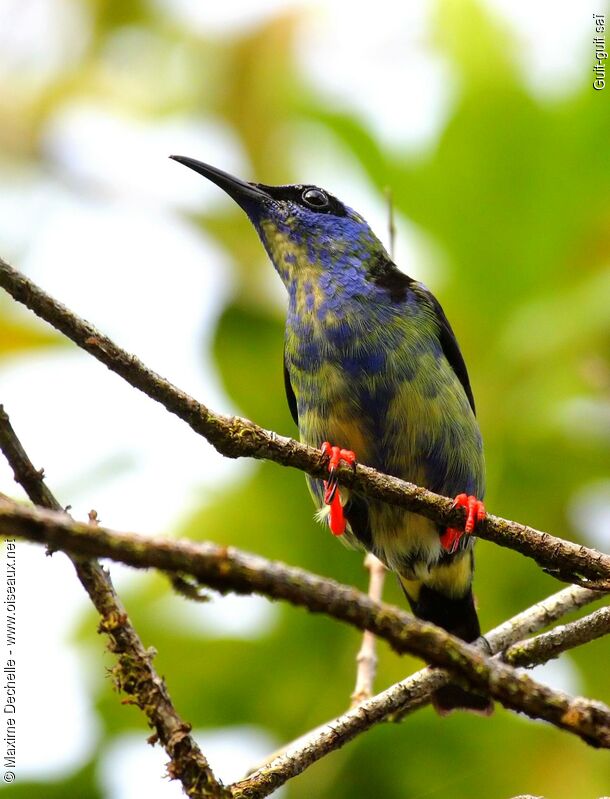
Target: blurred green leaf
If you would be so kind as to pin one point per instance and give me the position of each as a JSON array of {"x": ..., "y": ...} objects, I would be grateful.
[
  {"x": 18, "y": 337},
  {"x": 259, "y": 86},
  {"x": 248, "y": 348},
  {"x": 83, "y": 784}
]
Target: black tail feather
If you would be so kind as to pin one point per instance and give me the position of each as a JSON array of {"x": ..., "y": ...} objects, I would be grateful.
[{"x": 459, "y": 617}]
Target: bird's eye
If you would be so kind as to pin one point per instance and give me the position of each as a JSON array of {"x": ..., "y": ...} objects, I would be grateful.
[{"x": 315, "y": 199}]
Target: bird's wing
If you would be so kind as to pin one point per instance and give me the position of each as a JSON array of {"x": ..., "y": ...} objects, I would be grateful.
[
  {"x": 292, "y": 400},
  {"x": 386, "y": 275},
  {"x": 449, "y": 343}
]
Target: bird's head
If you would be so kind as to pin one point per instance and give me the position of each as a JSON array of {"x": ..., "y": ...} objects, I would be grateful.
[{"x": 309, "y": 234}]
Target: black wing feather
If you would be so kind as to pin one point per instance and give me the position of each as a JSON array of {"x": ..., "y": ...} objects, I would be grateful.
[
  {"x": 450, "y": 347},
  {"x": 292, "y": 400}
]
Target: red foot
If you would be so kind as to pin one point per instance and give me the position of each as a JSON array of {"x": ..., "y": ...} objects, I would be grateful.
[
  {"x": 476, "y": 512},
  {"x": 331, "y": 494}
]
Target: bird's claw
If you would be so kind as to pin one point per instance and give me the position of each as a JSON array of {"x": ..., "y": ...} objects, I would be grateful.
[
  {"x": 475, "y": 512},
  {"x": 331, "y": 494}
]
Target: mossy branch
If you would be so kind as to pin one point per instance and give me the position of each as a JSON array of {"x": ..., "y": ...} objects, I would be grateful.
[
  {"x": 227, "y": 569},
  {"x": 235, "y": 437},
  {"x": 133, "y": 673},
  {"x": 403, "y": 698}
]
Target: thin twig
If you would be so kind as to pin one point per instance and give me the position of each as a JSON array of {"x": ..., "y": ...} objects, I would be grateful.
[
  {"x": 366, "y": 658},
  {"x": 226, "y": 569},
  {"x": 549, "y": 645},
  {"x": 235, "y": 437},
  {"x": 399, "y": 700},
  {"x": 391, "y": 223},
  {"x": 134, "y": 673}
]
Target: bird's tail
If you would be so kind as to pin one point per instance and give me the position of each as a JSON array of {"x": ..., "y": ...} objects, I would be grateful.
[{"x": 458, "y": 616}]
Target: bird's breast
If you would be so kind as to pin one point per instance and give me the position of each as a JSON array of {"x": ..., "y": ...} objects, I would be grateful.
[
  {"x": 346, "y": 383},
  {"x": 384, "y": 389}
]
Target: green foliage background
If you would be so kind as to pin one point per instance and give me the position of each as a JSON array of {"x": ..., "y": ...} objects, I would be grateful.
[{"x": 515, "y": 195}]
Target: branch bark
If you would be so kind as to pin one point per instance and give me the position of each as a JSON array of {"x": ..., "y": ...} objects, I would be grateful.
[
  {"x": 224, "y": 568},
  {"x": 399, "y": 700},
  {"x": 235, "y": 437},
  {"x": 549, "y": 645},
  {"x": 134, "y": 673}
]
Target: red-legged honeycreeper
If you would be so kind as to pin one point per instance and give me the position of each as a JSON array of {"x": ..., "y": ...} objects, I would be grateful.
[{"x": 372, "y": 365}]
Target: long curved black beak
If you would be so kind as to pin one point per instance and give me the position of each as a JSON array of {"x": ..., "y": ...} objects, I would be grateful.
[{"x": 239, "y": 190}]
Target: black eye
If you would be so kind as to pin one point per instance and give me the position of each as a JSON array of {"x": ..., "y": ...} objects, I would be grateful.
[{"x": 315, "y": 199}]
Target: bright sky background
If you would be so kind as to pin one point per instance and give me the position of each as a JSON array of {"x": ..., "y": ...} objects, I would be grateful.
[{"x": 82, "y": 245}]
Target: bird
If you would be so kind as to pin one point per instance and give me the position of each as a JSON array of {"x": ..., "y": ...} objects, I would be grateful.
[{"x": 371, "y": 364}]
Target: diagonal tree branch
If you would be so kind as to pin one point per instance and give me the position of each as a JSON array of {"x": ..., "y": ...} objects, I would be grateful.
[
  {"x": 235, "y": 437},
  {"x": 399, "y": 700},
  {"x": 549, "y": 645},
  {"x": 225, "y": 568},
  {"x": 134, "y": 673}
]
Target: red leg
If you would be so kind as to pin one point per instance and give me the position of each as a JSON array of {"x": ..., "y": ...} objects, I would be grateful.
[
  {"x": 331, "y": 494},
  {"x": 475, "y": 512}
]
